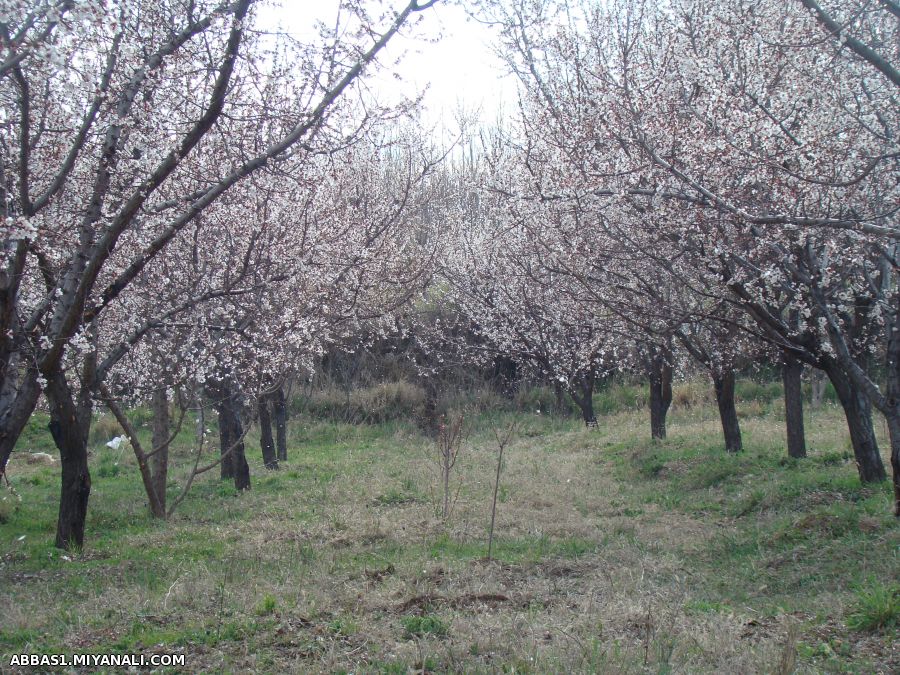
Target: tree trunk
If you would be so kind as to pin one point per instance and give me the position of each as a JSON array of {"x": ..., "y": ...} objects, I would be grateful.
[
  {"x": 660, "y": 392},
  {"x": 723, "y": 383},
  {"x": 279, "y": 414},
  {"x": 583, "y": 395},
  {"x": 239, "y": 467},
  {"x": 17, "y": 401},
  {"x": 266, "y": 442},
  {"x": 791, "y": 372},
  {"x": 159, "y": 460},
  {"x": 561, "y": 406},
  {"x": 226, "y": 440},
  {"x": 430, "y": 417},
  {"x": 894, "y": 432},
  {"x": 858, "y": 411},
  {"x": 818, "y": 382},
  {"x": 69, "y": 427}
]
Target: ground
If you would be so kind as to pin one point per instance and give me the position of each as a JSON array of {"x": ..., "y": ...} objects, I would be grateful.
[{"x": 612, "y": 554}]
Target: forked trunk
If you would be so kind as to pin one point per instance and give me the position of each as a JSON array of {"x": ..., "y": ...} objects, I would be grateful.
[
  {"x": 723, "y": 383},
  {"x": 791, "y": 372}
]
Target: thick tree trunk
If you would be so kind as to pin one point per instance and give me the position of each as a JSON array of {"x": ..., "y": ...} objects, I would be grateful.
[
  {"x": 279, "y": 415},
  {"x": 723, "y": 383},
  {"x": 69, "y": 426},
  {"x": 858, "y": 411},
  {"x": 266, "y": 441},
  {"x": 660, "y": 392},
  {"x": 791, "y": 372},
  {"x": 583, "y": 395},
  {"x": 159, "y": 460}
]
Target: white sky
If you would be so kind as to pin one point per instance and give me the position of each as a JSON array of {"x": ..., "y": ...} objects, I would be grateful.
[{"x": 445, "y": 51}]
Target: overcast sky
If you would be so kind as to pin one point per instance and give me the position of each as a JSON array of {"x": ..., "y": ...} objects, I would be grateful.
[{"x": 459, "y": 69}]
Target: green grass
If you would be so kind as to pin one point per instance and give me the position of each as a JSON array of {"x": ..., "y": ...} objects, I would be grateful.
[
  {"x": 612, "y": 553},
  {"x": 877, "y": 607},
  {"x": 419, "y": 626}
]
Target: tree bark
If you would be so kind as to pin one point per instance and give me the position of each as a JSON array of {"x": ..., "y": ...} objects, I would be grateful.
[
  {"x": 818, "y": 381},
  {"x": 266, "y": 441},
  {"x": 159, "y": 460},
  {"x": 858, "y": 411},
  {"x": 430, "y": 416},
  {"x": 18, "y": 400},
  {"x": 894, "y": 433},
  {"x": 791, "y": 372},
  {"x": 561, "y": 407},
  {"x": 583, "y": 395},
  {"x": 226, "y": 440},
  {"x": 279, "y": 415},
  {"x": 660, "y": 392},
  {"x": 723, "y": 383},
  {"x": 240, "y": 470},
  {"x": 69, "y": 426}
]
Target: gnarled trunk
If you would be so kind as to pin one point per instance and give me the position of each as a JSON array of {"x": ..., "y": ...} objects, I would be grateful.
[
  {"x": 660, "y": 392},
  {"x": 858, "y": 411},
  {"x": 279, "y": 416},
  {"x": 266, "y": 441},
  {"x": 723, "y": 383},
  {"x": 791, "y": 372},
  {"x": 69, "y": 426}
]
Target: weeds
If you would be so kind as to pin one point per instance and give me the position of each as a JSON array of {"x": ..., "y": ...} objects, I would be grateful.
[
  {"x": 877, "y": 607},
  {"x": 420, "y": 626}
]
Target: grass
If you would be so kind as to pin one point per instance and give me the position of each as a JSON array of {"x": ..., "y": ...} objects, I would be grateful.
[{"x": 613, "y": 553}]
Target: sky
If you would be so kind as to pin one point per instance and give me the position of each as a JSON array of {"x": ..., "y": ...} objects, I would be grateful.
[{"x": 450, "y": 54}]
